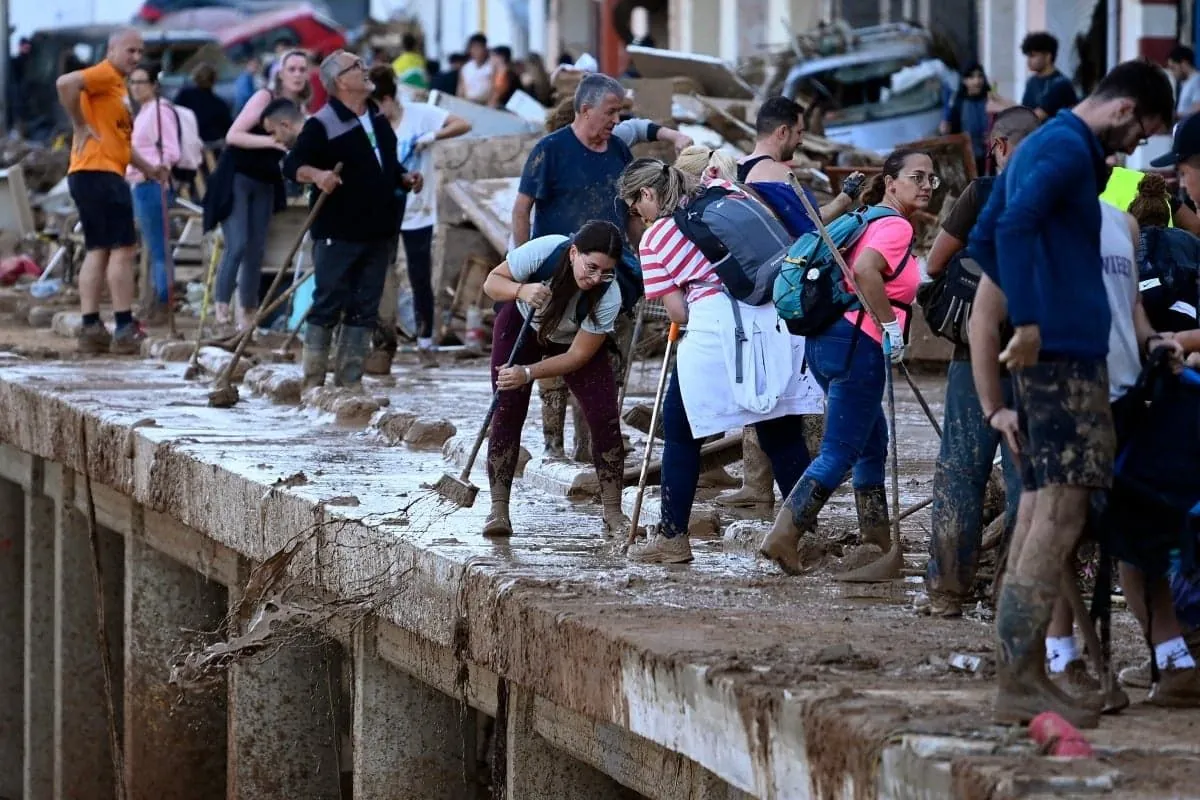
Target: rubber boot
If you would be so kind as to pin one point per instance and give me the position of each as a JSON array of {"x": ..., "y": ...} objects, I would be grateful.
[
  {"x": 873, "y": 524},
  {"x": 583, "y": 434},
  {"x": 316, "y": 354},
  {"x": 797, "y": 517},
  {"x": 553, "y": 392},
  {"x": 383, "y": 351},
  {"x": 498, "y": 524},
  {"x": 616, "y": 524},
  {"x": 351, "y": 352},
  {"x": 758, "y": 484},
  {"x": 1024, "y": 690}
]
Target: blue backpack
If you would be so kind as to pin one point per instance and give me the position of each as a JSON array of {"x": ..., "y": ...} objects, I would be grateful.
[{"x": 810, "y": 293}]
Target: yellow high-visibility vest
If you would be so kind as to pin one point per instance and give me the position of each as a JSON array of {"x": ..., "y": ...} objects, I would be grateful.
[{"x": 1122, "y": 189}]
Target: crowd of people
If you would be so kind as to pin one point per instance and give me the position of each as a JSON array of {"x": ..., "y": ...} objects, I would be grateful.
[{"x": 1054, "y": 348}]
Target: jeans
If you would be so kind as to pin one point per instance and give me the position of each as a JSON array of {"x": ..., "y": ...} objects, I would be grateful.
[
  {"x": 148, "y": 208},
  {"x": 592, "y": 384},
  {"x": 348, "y": 282},
  {"x": 418, "y": 246},
  {"x": 782, "y": 439},
  {"x": 959, "y": 480},
  {"x": 848, "y": 366},
  {"x": 245, "y": 241}
]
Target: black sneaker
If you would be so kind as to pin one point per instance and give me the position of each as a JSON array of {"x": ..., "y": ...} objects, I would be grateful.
[{"x": 127, "y": 339}]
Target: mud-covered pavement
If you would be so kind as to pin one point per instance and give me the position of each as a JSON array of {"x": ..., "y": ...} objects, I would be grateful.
[{"x": 725, "y": 660}]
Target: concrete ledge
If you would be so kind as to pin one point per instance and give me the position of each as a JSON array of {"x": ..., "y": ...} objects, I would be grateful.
[{"x": 554, "y": 477}]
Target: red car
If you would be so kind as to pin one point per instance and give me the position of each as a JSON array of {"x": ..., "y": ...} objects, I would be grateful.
[{"x": 299, "y": 26}]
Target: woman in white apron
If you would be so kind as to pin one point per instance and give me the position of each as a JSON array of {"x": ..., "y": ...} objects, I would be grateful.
[{"x": 703, "y": 397}]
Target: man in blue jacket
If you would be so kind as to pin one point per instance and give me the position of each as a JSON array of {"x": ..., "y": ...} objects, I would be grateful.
[{"x": 1038, "y": 238}]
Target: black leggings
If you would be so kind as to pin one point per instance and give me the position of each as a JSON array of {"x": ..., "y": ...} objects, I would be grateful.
[{"x": 418, "y": 246}]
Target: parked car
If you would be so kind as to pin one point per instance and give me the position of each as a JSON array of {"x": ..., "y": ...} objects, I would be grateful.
[
  {"x": 60, "y": 50},
  {"x": 153, "y": 11},
  {"x": 885, "y": 89},
  {"x": 300, "y": 26}
]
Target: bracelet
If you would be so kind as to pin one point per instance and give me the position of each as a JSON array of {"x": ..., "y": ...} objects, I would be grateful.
[
  {"x": 528, "y": 374},
  {"x": 992, "y": 415}
]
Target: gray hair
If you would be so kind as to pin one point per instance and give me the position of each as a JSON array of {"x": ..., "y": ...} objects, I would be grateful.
[
  {"x": 594, "y": 87},
  {"x": 330, "y": 68}
]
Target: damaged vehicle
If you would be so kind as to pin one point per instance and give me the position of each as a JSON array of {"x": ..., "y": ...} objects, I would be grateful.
[{"x": 883, "y": 89}]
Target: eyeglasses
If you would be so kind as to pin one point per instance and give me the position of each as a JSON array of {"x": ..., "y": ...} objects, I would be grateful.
[
  {"x": 921, "y": 179},
  {"x": 358, "y": 64},
  {"x": 599, "y": 275},
  {"x": 1145, "y": 137}
]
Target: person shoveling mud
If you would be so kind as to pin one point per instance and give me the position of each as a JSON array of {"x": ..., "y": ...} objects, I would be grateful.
[{"x": 567, "y": 285}]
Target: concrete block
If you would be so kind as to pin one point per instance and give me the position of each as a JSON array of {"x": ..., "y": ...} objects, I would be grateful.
[
  {"x": 536, "y": 770},
  {"x": 12, "y": 636},
  {"x": 559, "y": 478},
  {"x": 38, "y": 769},
  {"x": 82, "y": 754},
  {"x": 393, "y": 425},
  {"x": 41, "y": 316},
  {"x": 429, "y": 434},
  {"x": 408, "y": 736},
  {"x": 168, "y": 350},
  {"x": 214, "y": 360},
  {"x": 67, "y": 324},
  {"x": 282, "y": 384},
  {"x": 282, "y": 736},
  {"x": 174, "y": 741}
]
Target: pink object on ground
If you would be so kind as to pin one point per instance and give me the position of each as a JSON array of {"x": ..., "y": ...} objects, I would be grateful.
[
  {"x": 1057, "y": 737},
  {"x": 13, "y": 267}
]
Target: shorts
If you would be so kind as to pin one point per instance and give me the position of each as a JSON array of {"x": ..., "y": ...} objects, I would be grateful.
[
  {"x": 105, "y": 206},
  {"x": 1065, "y": 424}
]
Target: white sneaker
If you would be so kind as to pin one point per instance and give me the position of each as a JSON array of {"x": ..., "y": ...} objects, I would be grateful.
[{"x": 659, "y": 549}]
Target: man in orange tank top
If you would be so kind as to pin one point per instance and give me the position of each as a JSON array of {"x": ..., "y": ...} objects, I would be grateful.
[{"x": 97, "y": 103}]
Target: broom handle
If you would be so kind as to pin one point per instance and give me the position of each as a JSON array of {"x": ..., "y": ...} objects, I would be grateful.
[
  {"x": 526, "y": 326},
  {"x": 672, "y": 337}
]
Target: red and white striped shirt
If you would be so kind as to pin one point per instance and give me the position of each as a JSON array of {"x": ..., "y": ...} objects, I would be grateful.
[{"x": 672, "y": 261}]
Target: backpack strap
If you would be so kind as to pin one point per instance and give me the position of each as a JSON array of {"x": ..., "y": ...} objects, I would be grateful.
[
  {"x": 546, "y": 270},
  {"x": 739, "y": 337}
]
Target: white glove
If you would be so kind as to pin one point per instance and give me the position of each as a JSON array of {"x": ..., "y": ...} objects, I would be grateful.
[
  {"x": 893, "y": 341},
  {"x": 425, "y": 141}
]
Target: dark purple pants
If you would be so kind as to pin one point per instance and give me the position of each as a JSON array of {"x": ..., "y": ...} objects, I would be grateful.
[{"x": 592, "y": 384}]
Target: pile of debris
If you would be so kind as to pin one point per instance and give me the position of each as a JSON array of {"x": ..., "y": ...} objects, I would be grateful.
[{"x": 44, "y": 166}]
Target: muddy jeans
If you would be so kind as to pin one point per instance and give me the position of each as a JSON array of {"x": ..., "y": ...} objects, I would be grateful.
[
  {"x": 848, "y": 366},
  {"x": 349, "y": 279},
  {"x": 781, "y": 439},
  {"x": 592, "y": 384},
  {"x": 960, "y": 478}
]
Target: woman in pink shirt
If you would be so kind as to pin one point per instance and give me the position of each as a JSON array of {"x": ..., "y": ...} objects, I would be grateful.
[
  {"x": 157, "y": 145},
  {"x": 847, "y": 359}
]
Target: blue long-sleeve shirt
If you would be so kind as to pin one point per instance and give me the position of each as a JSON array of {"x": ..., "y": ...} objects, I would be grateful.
[{"x": 1038, "y": 237}]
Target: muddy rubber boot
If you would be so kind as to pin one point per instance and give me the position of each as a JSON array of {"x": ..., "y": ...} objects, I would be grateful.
[
  {"x": 873, "y": 524},
  {"x": 554, "y": 415},
  {"x": 351, "y": 353},
  {"x": 498, "y": 524},
  {"x": 616, "y": 524},
  {"x": 315, "y": 360},
  {"x": 797, "y": 517},
  {"x": 716, "y": 478},
  {"x": 758, "y": 483},
  {"x": 583, "y": 434},
  {"x": 1024, "y": 690},
  {"x": 383, "y": 352}
]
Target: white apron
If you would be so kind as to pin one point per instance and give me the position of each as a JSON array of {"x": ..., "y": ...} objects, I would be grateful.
[{"x": 773, "y": 382}]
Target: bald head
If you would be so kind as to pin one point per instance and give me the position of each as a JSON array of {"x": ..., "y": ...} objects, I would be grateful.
[{"x": 125, "y": 49}]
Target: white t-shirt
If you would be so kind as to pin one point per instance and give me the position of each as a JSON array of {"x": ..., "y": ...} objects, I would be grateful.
[
  {"x": 1117, "y": 255},
  {"x": 1189, "y": 94},
  {"x": 369, "y": 127},
  {"x": 419, "y": 119},
  {"x": 477, "y": 80},
  {"x": 524, "y": 261}
]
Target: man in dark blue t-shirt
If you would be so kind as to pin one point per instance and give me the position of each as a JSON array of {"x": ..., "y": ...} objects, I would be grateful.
[
  {"x": 1038, "y": 239},
  {"x": 1047, "y": 91}
]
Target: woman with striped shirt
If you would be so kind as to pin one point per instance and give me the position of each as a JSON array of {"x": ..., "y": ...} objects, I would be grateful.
[{"x": 701, "y": 399}]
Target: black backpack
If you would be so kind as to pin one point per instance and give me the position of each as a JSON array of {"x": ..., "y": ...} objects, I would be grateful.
[
  {"x": 1168, "y": 264},
  {"x": 946, "y": 300}
]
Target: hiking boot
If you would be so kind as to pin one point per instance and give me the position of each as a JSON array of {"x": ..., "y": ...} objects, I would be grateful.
[
  {"x": 659, "y": 549},
  {"x": 378, "y": 362},
  {"x": 94, "y": 339},
  {"x": 758, "y": 487},
  {"x": 873, "y": 526},
  {"x": 498, "y": 524},
  {"x": 315, "y": 361},
  {"x": 427, "y": 358},
  {"x": 351, "y": 353},
  {"x": 1137, "y": 677},
  {"x": 1176, "y": 688},
  {"x": 1020, "y": 698},
  {"x": 797, "y": 517},
  {"x": 938, "y": 604},
  {"x": 1078, "y": 684},
  {"x": 127, "y": 339}
]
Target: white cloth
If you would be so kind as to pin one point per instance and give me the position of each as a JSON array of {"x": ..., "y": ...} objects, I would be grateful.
[
  {"x": 418, "y": 120},
  {"x": 477, "y": 80},
  {"x": 1121, "y": 285},
  {"x": 774, "y": 383},
  {"x": 1189, "y": 94},
  {"x": 369, "y": 128}
]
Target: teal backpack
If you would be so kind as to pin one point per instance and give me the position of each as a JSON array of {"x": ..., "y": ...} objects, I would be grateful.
[{"x": 809, "y": 292}]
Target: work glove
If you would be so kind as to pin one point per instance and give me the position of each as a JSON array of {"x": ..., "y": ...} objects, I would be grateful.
[
  {"x": 853, "y": 185},
  {"x": 893, "y": 341}
]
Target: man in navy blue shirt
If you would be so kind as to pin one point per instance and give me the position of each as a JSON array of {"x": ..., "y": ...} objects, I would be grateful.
[
  {"x": 1047, "y": 91},
  {"x": 1038, "y": 239},
  {"x": 569, "y": 179}
]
